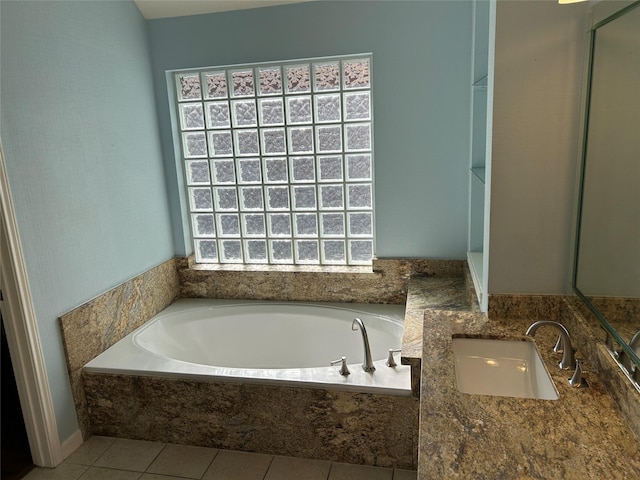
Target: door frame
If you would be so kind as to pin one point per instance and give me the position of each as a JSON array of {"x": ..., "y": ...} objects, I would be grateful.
[{"x": 23, "y": 337}]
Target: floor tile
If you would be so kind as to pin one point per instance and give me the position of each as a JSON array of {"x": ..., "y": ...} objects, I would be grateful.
[
  {"x": 134, "y": 455},
  {"x": 287, "y": 468},
  {"x": 99, "y": 473},
  {"x": 62, "y": 472},
  {"x": 90, "y": 450},
  {"x": 183, "y": 461},
  {"x": 232, "y": 465},
  {"x": 157, "y": 476},
  {"x": 346, "y": 471},
  {"x": 399, "y": 474}
]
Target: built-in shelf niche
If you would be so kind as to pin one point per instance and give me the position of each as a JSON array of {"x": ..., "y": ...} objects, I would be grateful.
[{"x": 480, "y": 151}]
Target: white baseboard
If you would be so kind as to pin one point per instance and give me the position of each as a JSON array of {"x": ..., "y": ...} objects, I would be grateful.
[{"x": 71, "y": 444}]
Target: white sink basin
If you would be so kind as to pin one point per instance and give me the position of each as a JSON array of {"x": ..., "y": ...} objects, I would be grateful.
[{"x": 505, "y": 368}]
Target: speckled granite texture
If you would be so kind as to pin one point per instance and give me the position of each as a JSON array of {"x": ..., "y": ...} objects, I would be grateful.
[
  {"x": 386, "y": 283},
  {"x": 91, "y": 328},
  {"x": 622, "y": 313},
  {"x": 429, "y": 293},
  {"x": 586, "y": 328},
  {"x": 340, "y": 426},
  {"x": 520, "y": 306},
  {"x": 579, "y": 436}
]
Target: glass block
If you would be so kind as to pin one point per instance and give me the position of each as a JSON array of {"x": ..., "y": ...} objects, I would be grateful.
[
  {"x": 359, "y": 196},
  {"x": 360, "y": 251},
  {"x": 330, "y": 168},
  {"x": 244, "y": 113},
  {"x": 360, "y": 224},
  {"x": 223, "y": 171},
  {"x": 326, "y": 76},
  {"x": 203, "y": 225},
  {"x": 301, "y": 140},
  {"x": 231, "y": 251},
  {"x": 246, "y": 142},
  {"x": 356, "y": 73},
  {"x": 256, "y": 251},
  {"x": 279, "y": 224},
  {"x": 216, "y": 85},
  {"x": 220, "y": 144},
  {"x": 194, "y": 144},
  {"x": 271, "y": 111},
  {"x": 228, "y": 224},
  {"x": 197, "y": 172},
  {"x": 331, "y": 197},
  {"x": 281, "y": 251},
  {"x": 304, "y": 197},
  {"x": 298, "y": 79},
  {"x": 188, "y": 85},
  {"x": 191, "y": 116},
  {"x": 253, "y": 225},
  {"x": 333, "y": 252},
  {"x": 273, "y": 141},
  {"x": 278, "y": 198},
  {"x": 298, "y": 110},
  {"x": 218, "y": 115},
  {"x": 275, "y": 170},
  {"x": 249, "y": 170},
  {"x": 206, "y": 251},
  {"x": 357, "y": 106},
  {"x": 307, "y": 251},
  {"x": 302, "y": 170},
  {"x": 329, "y": 139},
  {"x": 331, "y": 224},
  {"x": 242, "y": 83},
  {"x": 270, "y": 80},
  {"x": 251, "y": 198},
  {"x": 200, "y": 200},
  {"x": 226, "y": 199},
  {"x": 359, "y": 167},
  {"x": 328, "y": 108},
  {"x": 358, "y": 136},
  {"x": 306, "y": 224}
]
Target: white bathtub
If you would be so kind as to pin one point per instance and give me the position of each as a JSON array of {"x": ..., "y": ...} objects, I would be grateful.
[{"x": 278, "y": 343}]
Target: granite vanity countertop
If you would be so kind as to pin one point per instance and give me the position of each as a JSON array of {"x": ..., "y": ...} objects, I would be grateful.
[{"x": 579, "y": 436}]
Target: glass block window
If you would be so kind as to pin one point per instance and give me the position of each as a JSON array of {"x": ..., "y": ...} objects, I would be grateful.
[{"x": 278, "y": 161}]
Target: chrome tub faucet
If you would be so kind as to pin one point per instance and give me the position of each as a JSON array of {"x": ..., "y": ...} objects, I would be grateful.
[
  {"x": 367, "y": 366},
  {"x": 568, "y": 359}
]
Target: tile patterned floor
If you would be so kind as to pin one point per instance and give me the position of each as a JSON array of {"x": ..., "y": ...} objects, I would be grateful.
[{"x": 105, "y": 458}]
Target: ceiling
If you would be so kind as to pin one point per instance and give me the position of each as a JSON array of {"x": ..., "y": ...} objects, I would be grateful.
[{"x": 178, "y": 8}]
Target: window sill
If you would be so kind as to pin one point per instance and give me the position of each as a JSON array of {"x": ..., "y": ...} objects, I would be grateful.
[{"x": 230, "y": 267}]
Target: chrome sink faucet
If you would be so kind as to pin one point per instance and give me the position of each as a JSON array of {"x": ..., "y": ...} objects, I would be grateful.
[
  {"x": 568, "y": 359},
  {"x": 367, "y": 366}
]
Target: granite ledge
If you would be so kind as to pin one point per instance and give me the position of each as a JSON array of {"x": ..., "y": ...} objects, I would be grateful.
[
  {"x": 424, "y": 293},
  {"x": 579, "y": 436}
]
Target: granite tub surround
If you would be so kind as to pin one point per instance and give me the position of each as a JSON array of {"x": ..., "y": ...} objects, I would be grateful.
[
  {"x": 91, "y": 328},
  {"x": 386, "y": 282},
  {"x": 579, "y": 436},
  {"x": 320, "y": 424}
]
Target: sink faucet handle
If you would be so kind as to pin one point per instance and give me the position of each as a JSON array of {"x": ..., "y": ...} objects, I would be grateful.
[
  {"x": 344, "y": 370},
  {"x": 578, "y": 380},
  {"x": 390, "y": 360},
  {"x": 559, "y": 346}
]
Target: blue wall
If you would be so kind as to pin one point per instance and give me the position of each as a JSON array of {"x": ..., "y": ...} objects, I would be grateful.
[
  {"x": 81, "y": 143},
  {"x": 421, "y": 75}
]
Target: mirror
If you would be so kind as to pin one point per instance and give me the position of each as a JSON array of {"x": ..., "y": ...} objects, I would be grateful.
[{"x": 607, "y": 260}]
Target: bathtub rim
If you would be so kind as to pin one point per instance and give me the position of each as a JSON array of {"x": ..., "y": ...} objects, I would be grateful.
[{"x": 384, "y": 380}]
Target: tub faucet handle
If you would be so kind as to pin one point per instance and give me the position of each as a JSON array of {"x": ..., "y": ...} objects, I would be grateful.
[
  {"x": 344, "y": 370},
  {"x": 390, "y": 360}
]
